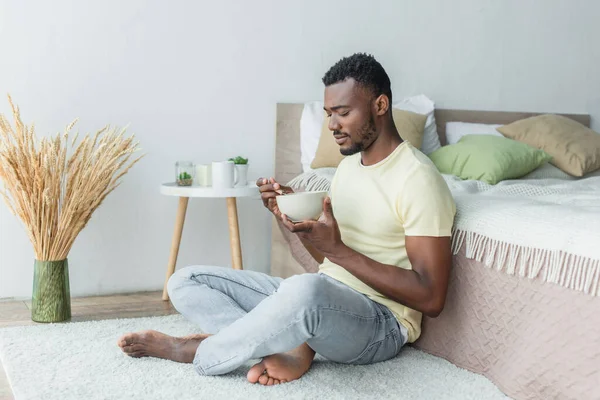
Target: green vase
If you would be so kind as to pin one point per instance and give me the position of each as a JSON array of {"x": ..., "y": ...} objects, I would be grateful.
[{"x": 51, "y": 299}]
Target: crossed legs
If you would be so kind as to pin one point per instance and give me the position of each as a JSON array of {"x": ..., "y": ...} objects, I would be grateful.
[{"x": 249, "y": 315}]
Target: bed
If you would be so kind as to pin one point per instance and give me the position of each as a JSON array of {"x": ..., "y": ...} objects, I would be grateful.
[{"x": 525, "y": 318}]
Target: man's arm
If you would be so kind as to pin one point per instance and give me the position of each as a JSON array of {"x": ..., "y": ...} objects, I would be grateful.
[{"x": 423, "y": 288}]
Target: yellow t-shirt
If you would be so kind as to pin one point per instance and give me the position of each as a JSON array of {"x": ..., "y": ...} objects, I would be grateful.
[{"x": 376, "y": 206}]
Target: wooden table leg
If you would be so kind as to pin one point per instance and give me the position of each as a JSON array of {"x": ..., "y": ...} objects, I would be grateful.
[
  {"x": 234, "y": 233},
  {"x": 175, "y": 242}
]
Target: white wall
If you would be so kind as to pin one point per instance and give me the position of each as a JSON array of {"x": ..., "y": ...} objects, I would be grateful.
[{"x": 199, "y": 80}]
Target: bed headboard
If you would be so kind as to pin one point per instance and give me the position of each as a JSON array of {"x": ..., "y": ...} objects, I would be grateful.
[
  {"x": 488, "y": 117},
  {"x": 287, "y": 138}
]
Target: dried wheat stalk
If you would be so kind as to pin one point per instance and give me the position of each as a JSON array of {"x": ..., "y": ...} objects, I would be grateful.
[{"x": 53, "y": 193}]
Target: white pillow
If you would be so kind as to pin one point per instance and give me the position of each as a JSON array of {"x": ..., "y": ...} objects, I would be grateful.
[
  {"x": 310, "y": 132},
  {"x": 421, "y": 104},
  {"x": 456, "y": 130}
]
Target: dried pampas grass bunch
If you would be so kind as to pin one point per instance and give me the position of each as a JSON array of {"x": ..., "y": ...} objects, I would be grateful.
[{"x": 55, "y": 193}]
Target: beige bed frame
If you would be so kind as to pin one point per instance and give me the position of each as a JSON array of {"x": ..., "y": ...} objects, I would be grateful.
[{"x": 288, "y": 166}]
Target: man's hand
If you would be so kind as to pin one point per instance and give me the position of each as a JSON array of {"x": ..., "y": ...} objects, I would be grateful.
[
  {"x": 324, "y": 234},
  {"x": 269, "y": 190}
]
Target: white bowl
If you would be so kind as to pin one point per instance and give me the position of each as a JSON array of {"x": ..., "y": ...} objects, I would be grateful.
[{"x": 302, "y": 206}]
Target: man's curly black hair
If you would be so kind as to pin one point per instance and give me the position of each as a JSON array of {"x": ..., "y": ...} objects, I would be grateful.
[{"x": 365, "y": 70}]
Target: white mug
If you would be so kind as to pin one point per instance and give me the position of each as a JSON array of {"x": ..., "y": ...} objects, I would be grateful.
[{"x": 223, "y": 175}]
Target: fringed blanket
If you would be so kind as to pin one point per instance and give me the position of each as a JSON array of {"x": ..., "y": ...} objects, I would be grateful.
[
  {"x": 537, "y": 228},
  {"x": 546, "y": 228},
  {"x": 312, "y": 181}
]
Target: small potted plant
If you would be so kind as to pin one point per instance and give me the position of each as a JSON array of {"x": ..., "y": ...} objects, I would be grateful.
[
  {"x": 185, "y": 171},
  {"x": 184, "y": 179},
  {"x": 241, "y": 170},
  {"x": 239, "y": 160}
]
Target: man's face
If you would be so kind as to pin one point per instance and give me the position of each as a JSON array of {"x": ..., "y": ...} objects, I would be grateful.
[{"x": 350, "y": 111}]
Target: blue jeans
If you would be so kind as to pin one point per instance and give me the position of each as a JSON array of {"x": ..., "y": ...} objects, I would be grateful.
[{"x": 253, "y": 315}]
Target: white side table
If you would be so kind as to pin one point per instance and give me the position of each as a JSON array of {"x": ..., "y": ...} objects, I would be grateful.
[{"x": 184, "y": 193}]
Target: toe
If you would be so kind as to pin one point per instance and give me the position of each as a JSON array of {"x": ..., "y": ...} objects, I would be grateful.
[
  {"x": 276, "y": 382},
  {"x": 128, "y": 339},
  {"x": 134, "y": 348},
  {"x": 264, "y": 379},
  {"x": 270, "y": 382},
  {"x": 122, "y": 342},
  {"x": 255, "y": 372}
]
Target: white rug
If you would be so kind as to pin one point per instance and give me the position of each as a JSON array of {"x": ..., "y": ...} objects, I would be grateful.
[{"x": 82, "y": 361}]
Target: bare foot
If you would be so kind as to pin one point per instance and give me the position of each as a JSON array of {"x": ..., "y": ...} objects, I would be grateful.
[
  {"x": 283, "y": 367},
  {"x": 156, "y": 344}
]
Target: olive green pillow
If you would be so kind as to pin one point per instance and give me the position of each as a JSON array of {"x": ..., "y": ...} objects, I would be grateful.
[{"x": 488, "y": 158}]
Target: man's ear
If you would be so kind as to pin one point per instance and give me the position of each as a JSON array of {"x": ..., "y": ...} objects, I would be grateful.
[{"x": 382, "y": 104}]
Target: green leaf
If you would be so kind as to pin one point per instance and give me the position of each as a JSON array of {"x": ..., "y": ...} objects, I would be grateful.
[{"x": 239, "y": 160}]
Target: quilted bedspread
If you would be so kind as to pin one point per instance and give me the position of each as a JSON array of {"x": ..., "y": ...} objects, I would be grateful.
[{"x": 533, "y": 339}]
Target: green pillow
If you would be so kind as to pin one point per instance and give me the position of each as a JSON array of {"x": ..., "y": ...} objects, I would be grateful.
[{"x": 488, "y": 158}]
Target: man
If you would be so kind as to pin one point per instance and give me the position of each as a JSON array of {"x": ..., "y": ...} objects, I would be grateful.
[{"x": 384, "y": 243}]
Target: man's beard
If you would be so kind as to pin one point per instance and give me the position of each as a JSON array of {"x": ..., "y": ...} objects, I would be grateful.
[{"x": 364, "y": 134}]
